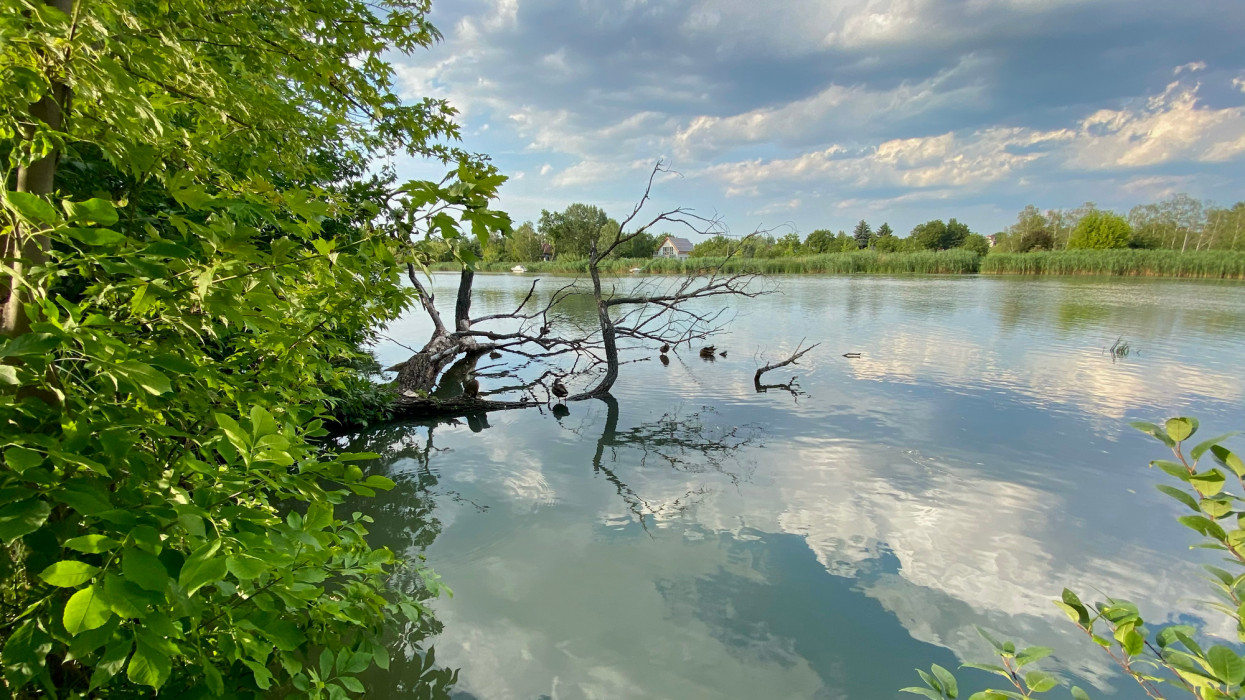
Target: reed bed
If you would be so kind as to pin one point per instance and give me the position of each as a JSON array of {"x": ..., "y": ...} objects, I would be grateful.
[
  {"x": 1122, "y": 263},
  {"x": 863, "y": 262},
  {"x": 1210, "y": 264}
]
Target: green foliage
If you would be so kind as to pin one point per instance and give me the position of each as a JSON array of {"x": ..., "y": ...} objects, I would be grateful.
[
  {"x": 976, "y": 243},
  {"x": 937, "y": 235},
  {"x": 171, "y": 518},
  {"x": 1101, "y": 230},
  {"x": 573, "y": 230},
  {"x": 1162, "y": 661}
]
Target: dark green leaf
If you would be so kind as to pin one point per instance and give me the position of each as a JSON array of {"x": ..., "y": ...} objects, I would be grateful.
[
  {"x": 22, "y": 458},
  {"x": 22, "y": 518},
  {"x": 144, "y": 569}
]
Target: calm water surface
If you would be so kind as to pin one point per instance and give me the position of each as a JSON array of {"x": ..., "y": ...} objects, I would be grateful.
[{"x": 695, "y": 539}]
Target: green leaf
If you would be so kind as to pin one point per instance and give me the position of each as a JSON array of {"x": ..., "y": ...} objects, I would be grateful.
[
  {"x": 284, "y": 634},
  {"x": 111, "y": 663},
  {"x": 203, "y": 567},
  {"x": 91, "y": 544},
  {"x": 144, "y": 569},
  {"x": 1029, "y": 655},
  {"x": 151, "y": 664},
  {"x": 22, "y": 458},
  {"x": 94, "y": 210},
  {"x": 1226, "y": 665},
  {"x": 30, "y": 344},
  {"x": 353, "y": 685},
  {"x": 1228, "y": 459},
  {"x": 1197, "y": 452},
  {"x": 927, "y": 692},
  {"x": 1208, "y": 483},
  {"x": 1180, "y": 429},
  {"x": 949, "y": 686},
  {"x": 1155, "y": 431},
  {"x": 96, "y": 236},
  {"x": 86, "y": 610},
  {"x": 1040, "y": 681},
  {"x": 244, "y": 567},
  {"x": 8, "y": 375},
  {"x": 22, "y": 518},
  {"x": 1179, "y": 495},
  {"x": 1078, "y": 694},
  {"x": 145, "y": 377},
  {"x": 31, "y": 207},
  {"x": 68, "y": 574},
  {"x": 24, "y": 654}
]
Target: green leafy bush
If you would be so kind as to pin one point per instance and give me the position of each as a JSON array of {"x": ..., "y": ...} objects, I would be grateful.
[{"x": 193, "y": 255}]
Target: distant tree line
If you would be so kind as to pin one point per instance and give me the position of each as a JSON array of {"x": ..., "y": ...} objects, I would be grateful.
[
  {"x": 1179, "y": 222},
  {"x": 1176, "y": 223},
  {"x": 563, "y": 235}
]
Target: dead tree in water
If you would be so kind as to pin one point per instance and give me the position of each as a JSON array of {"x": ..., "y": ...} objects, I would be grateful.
[
  {"x": 653, "y": 312},
  {"x": 792, "y": 386}
]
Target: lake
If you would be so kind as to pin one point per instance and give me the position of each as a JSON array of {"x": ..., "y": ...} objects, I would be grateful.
[{"x": 696, "y": 539}]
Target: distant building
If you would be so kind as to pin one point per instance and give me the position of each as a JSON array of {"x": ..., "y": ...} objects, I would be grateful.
[
  {"x": 674, "y": 247},
  {"x": 992, "y": 239}
]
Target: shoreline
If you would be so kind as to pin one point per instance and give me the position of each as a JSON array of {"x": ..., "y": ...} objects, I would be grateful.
[{"x": 1153, "y": 264}]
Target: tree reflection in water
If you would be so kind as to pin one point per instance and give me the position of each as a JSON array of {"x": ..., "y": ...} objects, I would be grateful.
[
  {"x": 686, "y": 442},
  {"x": 410, "y": 527}
]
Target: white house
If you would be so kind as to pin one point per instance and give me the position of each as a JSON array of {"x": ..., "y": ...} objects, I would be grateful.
[{"x": 674, "y": 247}]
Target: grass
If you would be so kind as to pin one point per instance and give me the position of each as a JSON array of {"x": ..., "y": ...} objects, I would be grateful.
[{"x": 1139, "y": 263}]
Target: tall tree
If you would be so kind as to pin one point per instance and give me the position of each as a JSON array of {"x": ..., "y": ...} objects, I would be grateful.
[
  {"x": 863, "y": 234},
  {"x": 885, "y": 230},
  {"x": 573, "y": 230}
]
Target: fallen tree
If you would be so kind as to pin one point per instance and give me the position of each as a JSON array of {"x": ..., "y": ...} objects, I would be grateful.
[{"x": 648, "y": 313}]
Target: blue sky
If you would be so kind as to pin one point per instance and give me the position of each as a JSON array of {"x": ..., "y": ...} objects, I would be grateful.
[{"x": 805, "y": 114}]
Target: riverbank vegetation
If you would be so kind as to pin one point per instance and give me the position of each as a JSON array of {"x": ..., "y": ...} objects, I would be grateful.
[
  {"x": 1152, "y": 240},
  {"x": 198, "y": 234},
  {"x": 1125, "y": 263}
]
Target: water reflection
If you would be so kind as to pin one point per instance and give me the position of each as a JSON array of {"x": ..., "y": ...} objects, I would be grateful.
[{"x": 970, "y": 464}]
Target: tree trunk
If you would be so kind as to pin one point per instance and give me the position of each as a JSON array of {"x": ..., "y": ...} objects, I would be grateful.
[
  {"x": 418, "y": 375},
  {"x": 29, "y": 251},
  {"x": 608, "y": 336}
]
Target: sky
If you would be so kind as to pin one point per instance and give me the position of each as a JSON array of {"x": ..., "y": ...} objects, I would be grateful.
[{"x": 794, "y": 115}]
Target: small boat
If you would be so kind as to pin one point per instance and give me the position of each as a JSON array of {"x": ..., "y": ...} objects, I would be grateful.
[
  {"x": 636, "y": 269},
  {"x": 519, "y": 269}
]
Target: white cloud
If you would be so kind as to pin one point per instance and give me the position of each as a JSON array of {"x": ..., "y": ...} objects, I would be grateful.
[
  {"x": 1190, "y": 67},
  {"x": 836, "y": 104},
  {"x": 1167, "y": 128}
]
